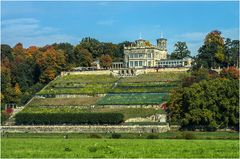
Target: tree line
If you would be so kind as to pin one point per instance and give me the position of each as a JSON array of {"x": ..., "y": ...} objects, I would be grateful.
[
  {"x": 208, "y": 100},
  {"x": 24, "y": 71}
]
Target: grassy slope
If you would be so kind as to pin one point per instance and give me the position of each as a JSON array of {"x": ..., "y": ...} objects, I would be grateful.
[
  {"x": 64, "y": 101},
  {"x": 20, "y": 147},
  {"x": 132, "y": 98}
]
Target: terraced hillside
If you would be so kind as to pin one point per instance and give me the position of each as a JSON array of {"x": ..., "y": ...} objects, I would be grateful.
[{"x": 132, "y": 97}]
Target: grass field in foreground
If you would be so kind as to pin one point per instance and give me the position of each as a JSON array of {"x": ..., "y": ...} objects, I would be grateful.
[{"x": 115, "y": 148}]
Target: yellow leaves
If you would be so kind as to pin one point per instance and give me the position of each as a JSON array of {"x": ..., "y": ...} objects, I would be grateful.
[
  {"x": 17, "y": 89},
  {"x": 31, "y": 50},
  {"x": 214, "y": 37}
]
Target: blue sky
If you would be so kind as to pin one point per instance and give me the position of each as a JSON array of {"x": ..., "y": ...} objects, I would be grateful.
[{"x": 41, "y": 23}]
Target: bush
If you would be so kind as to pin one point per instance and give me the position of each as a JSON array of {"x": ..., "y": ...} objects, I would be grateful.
[
  {"x": 188, "y": 135},
  {"x": 152, "y": 136},
  {"x": 68, "y": 118},
  {"x": 116, "y": 136},
  {"x": 96, "y": 136}
]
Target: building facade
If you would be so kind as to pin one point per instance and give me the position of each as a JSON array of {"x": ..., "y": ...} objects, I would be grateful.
[
  {"x": 185, "y": 62},
  {"x": 143, "y": 54}
]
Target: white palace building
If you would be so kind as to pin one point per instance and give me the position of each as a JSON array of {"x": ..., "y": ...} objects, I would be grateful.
[{"x": 142, "y": 53}]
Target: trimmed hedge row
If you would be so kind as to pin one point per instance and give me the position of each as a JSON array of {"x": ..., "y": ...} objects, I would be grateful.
[{"x": 68, "y": 118}]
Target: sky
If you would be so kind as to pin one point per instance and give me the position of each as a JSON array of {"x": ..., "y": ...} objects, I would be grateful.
[{"x": 41, "y": 23}]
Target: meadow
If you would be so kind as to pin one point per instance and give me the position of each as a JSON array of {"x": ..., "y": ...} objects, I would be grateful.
[{"x": 117, "y": 148}]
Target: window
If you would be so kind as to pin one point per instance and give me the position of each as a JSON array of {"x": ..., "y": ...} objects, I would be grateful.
[
  {"x": 140, "y": 63},
  {"x": 131, "y": 63},
  {"x": 140, "y": 55},
  {"x": 136, "y": 63},
  {"x": 149, "y": 63},
  {"x": 149, "y": 56},
  {"x": 131, "y": 55}
]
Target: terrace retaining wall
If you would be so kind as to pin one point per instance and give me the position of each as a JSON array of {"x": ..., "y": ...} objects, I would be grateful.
[
  {"x": 70, "y": 95},
  {"x": 150, "y": 70},
  {"x": 87, "y": 129},
  {"x": 96, "y": 72}
]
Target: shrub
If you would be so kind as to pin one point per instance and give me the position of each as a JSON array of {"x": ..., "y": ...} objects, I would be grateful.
[
  {"x": 116, "y": 136},
  {"x": 188, "y": 135},
  {"x": 96, "y": 136},
  {"x": 152, "y": 136},
  {"x": 68, "y": 118}
]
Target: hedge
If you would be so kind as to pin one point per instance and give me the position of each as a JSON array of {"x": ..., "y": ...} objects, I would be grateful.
[{"x": 68, "y": 118}]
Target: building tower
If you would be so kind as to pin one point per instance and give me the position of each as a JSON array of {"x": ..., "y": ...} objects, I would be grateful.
[{"x": 162, "y": 44}]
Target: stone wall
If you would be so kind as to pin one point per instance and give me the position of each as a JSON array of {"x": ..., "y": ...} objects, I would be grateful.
[
  {"x": 182, "y": 69},
  {"x": 97, "y": 72},
  {"x": 87, "y": 129},
  {"x": 116, "y": 72},
  {"x": 69, "y": 95}
]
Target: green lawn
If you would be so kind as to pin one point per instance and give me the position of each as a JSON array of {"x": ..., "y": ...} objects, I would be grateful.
[{"x": 116, "y": 148}]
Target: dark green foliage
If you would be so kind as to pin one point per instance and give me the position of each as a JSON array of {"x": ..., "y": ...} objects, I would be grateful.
[
  {"x": 217, "y": 53},
  {"x": 188, "y": 135},
  {"x": 208, "y": 105},
  {"x": 181, "y": 51},
  {"x": 68, "y": 118},
  {"x": 152, "y": 136},
  {"x": 6, "y": 52},
  {"x": 96, "y": 136},
  {"x": 116, "y": 136}
]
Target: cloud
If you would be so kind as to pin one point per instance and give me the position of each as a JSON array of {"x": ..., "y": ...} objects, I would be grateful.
[
  {"x": 29, "y": 32},
  {"x": 106, "y": 22},
  {"x": 195, "y": 40}
]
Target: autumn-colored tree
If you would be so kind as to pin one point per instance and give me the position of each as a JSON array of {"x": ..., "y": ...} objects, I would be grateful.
[
  {"x": 31, "y": 50},
  {"x": 18, "y": 49},
  {"x": 231, "y": 73},
  {"x": 50, "y": 63},
  {"x": 211, "y": 54},
  {"x": 105, "y": 61}
]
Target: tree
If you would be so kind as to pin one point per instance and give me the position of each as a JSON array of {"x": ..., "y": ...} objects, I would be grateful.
[
  {"x": 93, "y": 46},
  {"x": 209, "y": 104},
  {"x": 50, "y": 63},
  {"x": 6, "y": 51},
  {"x": 230, "y": 73},
  {"x": 105, "y": 61},
  {"x": 231, "y": 50},
  {"x": 68, "y": 51},
  {"x": 120, "y": 54},
  {"x": 181, "y": 51},
  {"x": 211, "y": 54},
  {"x": 110, "y": 49},
  {"x": 82, "y": 56}
]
